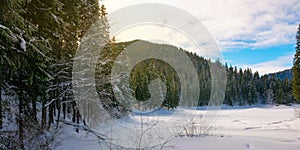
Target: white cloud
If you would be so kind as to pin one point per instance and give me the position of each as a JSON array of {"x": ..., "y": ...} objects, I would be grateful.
[
  {"x": 238, "y": 23},
  {"x": 264, "y": 23},
  {"x": 165, "y": 35},
  {"x": 281, "y": 63},
  {"x": 235, "y": 24}
]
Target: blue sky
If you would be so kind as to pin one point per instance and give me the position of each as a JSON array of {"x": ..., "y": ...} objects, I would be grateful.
[
  {"x": 250, "y": 56},
  {"x": 250, "y": 33},
  {"x": 264, "y": 60}
]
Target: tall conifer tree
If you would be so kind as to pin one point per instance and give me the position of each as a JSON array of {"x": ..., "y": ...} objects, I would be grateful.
[{"x": 296, "y": 68}]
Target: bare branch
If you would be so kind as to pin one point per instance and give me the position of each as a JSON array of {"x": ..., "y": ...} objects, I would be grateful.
[{"x": 85, "y": 128}]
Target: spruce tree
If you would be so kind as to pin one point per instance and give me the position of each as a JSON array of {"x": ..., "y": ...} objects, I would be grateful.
[
  {"x": 24, "y": 62},
  {"x": 296, "y": 68}
]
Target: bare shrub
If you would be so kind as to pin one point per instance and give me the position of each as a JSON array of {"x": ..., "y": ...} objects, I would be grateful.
[{"x": 196, "y": 127}]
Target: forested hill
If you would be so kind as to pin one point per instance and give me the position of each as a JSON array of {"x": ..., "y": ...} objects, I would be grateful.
[
  {"x": 145, "y": 72},
  {"x": 283, "y": 74},
  {"x": 244, "y": 87}
]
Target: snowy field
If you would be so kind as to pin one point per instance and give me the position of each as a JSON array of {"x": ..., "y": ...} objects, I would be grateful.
[{"x": 260, "y": 128}]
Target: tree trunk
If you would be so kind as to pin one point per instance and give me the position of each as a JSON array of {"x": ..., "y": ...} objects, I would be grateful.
[
  {"x": 54, "y": 108},
  {"x": 64, "y": 110},
  {"x": 34, "y": 108},
  {"x": 50, "y": 121},
  {"x": 74, "y": 112},
  {"x": 20, "y": 122},
  {"x": 77, "y": 119},
  {"x": 75, "y": 115},
  {"x": 1, "y": 125},
  {"x": 58, "y": 116},
  {"x": 43, "y": 122}
]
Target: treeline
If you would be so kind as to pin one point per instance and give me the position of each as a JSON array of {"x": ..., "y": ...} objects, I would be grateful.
[
  {"x": 38, "y": 41},
  {"x": 243, "y": 86},
  {"x": 247, "y": 88}
]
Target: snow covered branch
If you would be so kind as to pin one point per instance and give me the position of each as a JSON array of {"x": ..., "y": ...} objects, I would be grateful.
[{"x": 85, "y": 128}]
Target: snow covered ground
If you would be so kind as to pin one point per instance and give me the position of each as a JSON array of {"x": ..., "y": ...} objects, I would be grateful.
[
  {"x": 260, "y": 128},
  {"x": 273, "y": 128}
]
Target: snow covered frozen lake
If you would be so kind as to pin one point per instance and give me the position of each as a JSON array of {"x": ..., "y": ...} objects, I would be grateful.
[{"x": 258, "y": 128}]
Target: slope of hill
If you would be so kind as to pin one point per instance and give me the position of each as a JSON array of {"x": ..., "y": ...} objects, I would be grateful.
[
  {"x": 286, "y": 74},
  {"x": 243, "y": 86}
]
